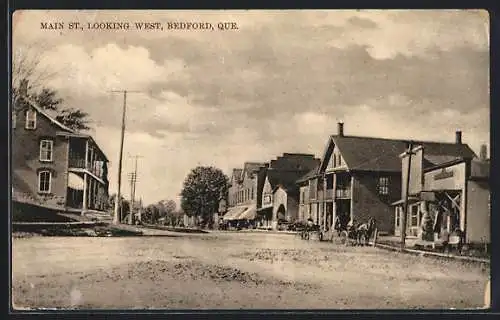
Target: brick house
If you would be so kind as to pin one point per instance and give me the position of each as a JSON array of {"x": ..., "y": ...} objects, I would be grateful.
[
  {"x": 54, "y": 166},
  {"x": 358, "y": 178},
  {"x": 280, "y": 193},
  {"x": 452, "y": 186}
]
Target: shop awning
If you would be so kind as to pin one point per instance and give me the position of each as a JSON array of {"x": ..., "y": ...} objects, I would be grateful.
[
  {"x": 234, "y": 212},
  {"x": 75, "y": 181},
  {"x": 249, "y": 214}
]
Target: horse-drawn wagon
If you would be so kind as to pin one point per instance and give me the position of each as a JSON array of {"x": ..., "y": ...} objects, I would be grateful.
[
  {"x": 351, "y": 234},
  {"x": 357, "y": 234}
]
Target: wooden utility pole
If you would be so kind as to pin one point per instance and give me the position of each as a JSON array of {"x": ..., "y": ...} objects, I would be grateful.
[
  {"x": 118, "y": 201},
  {"x": 133, "y": 181},
  {"x": 407, "y": 192}
]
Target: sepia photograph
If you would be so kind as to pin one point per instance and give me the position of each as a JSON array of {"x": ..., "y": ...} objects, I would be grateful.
[{"x": 250, "y": 159}]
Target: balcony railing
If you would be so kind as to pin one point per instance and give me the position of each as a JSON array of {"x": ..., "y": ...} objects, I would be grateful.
[
  {"x": 82, "y": 164},
  {"x": 329, "y": 194},
  {"x": 343, "y": 193},
  {"x": 77, "y": 163}
]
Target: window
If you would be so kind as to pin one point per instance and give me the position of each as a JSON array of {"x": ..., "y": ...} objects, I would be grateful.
[
  {"x": 30, "y": 119},
  {"x": 253, "y": 193},
  {"x": 339, "y": 160},
  {"x": 46, "y": 150},
  {"x": 414, "y": 216},
  {"x": 14, "y": 120},
  {"x": 383, "y": 185},
  {"x": 398, "y": 216},
  {"x": 329, "y": 181},
  {"x": 44, "y": 181}
]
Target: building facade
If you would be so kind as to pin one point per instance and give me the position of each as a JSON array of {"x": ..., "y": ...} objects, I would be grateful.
[
  {"x": 453, "y": 191},
  {"x": 280, "y": 192},
  {"x": 242, "y": 193},
  {"x": 360, "y": 178},
  {"x": 54, "y": 166}
]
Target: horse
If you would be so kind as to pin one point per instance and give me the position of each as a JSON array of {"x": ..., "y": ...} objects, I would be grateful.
[{"x": 365, "y": 231}]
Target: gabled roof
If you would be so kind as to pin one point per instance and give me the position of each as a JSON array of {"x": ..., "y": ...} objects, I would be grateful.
[
  {"x": 251, "y": 168},
  {"x": 65, "y": 130},
  {"x": 381, "y": 154},
  {"x": 39, "y": 109},
  {"x": 236, "y": 174}
]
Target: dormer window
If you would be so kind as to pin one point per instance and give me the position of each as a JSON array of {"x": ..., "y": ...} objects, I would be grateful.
[{"x": 30, "y": 119}]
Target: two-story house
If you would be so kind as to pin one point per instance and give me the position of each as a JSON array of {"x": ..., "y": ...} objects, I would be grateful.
[
  {"x": 242, "y": 193},
  {"x": 451, "y": 185},
  {"x": 280, "y": 193},
  {"x": 358, "y": 178},
  {"x": 54, "y": 166}
]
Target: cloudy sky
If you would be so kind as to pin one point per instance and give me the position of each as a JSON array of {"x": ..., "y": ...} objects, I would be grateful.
[{"x": 279, "y": 83}]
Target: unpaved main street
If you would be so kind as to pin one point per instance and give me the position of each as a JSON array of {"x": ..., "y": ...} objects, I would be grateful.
[{"x": 233, "y": 270}]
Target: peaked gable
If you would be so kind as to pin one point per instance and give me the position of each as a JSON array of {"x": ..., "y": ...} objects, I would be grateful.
[
  {"x": 32, "y": 104},
  {"x": 380, "y": 154}
]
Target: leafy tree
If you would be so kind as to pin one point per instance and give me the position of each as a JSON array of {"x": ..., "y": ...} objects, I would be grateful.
[{"x": 202, "y": 191}]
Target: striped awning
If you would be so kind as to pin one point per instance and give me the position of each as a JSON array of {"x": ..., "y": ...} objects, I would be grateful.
[
  {"x": 234, "y": 212},
  {"x": 75, "y": 181},
  {"x": 249, "y": 214}
]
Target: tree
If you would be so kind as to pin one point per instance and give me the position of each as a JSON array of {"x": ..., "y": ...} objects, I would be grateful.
[
  {"x": 202, "y": 191},
  {"x": 29, "y": 80}
]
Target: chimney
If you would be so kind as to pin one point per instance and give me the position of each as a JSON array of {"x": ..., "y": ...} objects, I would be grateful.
[
  {"x": 340, "y": 128},
  {"x": 458, "y": 137},
  {"x": 483, "y": 153},
  {"x": 23, "y": 88}
]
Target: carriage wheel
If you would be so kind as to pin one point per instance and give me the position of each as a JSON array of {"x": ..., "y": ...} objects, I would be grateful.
[{"x": 344, "y": 238}]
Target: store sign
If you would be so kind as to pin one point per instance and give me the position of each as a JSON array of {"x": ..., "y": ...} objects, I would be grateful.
[{"x": 444, "y": 174}]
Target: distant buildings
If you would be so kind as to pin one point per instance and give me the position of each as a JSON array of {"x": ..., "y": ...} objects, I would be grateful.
[
  {"x": 242, "y": 193},
  {"x": 54, "y": 166},
  {"x": 280, "y": 192},
  {"x": 264, "y": 193}
]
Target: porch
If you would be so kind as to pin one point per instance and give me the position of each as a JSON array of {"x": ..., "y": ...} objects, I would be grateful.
[
  {"x": 85, "y": 193},
  {"x": 85, "y": 156},
  {"x": 432, "y": 216}
]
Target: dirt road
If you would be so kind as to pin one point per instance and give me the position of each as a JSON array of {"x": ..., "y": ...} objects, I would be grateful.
[{"x": 233, "y": 271}]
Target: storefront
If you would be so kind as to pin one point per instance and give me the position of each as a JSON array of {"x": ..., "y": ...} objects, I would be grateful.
[{"x": 451, "y": 201}]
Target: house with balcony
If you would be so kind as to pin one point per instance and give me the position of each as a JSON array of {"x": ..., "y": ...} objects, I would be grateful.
[
  {"x": 54, "y": 166},
  {"x": 450, "y": 184},
  {"x": 358, "y": 178},
  {"x": 280, "y": 193}
]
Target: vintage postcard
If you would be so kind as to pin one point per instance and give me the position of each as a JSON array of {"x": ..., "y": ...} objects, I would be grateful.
[{"x": 252, "y": 159}]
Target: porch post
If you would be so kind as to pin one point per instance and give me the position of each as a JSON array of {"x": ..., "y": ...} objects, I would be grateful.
[
  {"x": 86, "y": 153},
  {"x": 85, "y": 192},
  {"x": 334, "y": 199},
  {"x": 324, "y": 201}
]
